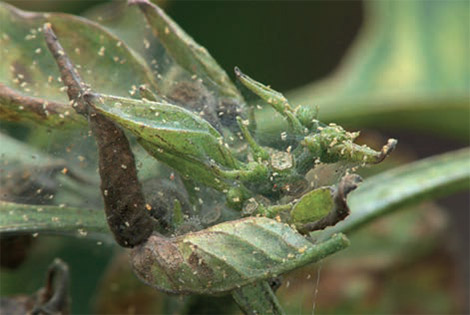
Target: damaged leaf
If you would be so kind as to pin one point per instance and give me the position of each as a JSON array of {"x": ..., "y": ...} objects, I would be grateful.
[{"x": 226, "y": 256}]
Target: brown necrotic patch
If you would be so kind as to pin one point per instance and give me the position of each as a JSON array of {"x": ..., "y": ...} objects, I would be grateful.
[{"x": 198, "y": 264}]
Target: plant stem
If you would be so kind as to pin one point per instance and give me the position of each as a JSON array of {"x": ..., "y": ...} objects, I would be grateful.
[{"x": 257, "y": 298}]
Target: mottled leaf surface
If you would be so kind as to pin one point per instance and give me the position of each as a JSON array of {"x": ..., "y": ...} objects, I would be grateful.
[
  {"x": 228, "y": 255},
  {"x": 185, "y": 72},
  {"x": 437, "y": 176}
]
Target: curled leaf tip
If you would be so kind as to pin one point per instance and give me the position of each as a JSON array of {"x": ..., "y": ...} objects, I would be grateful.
[
  {"x": 47, "y": 27},
  {"x": 348, "y": 183},
  {"x": 342, "y": 239},
  {"x": 237, "y": 71},
  {"x": 55, "y": 296},
  {"x": 387, "y": 149},
  {"x": 341, "y": 210}
]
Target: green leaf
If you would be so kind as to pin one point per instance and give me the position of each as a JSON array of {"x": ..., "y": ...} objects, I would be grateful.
[
  {"x": 408, "y": 69},
  {"x": 29, "y": 219},
  {"x": 312, "y": 206},
  {"x": 167, "y": 127},
  {"x": 425, "y": 179},
  {"x": 29, "y": 72},
  {"x": 227, "y": 256}
]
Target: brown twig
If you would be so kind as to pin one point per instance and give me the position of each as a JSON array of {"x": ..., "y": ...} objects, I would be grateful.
[
  {"x": 120, "y": 187},
  {"x": 386, "y": 150}
]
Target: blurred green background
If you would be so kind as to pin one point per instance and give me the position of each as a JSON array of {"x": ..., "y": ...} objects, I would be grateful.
[{"x": 406, "y": 76}]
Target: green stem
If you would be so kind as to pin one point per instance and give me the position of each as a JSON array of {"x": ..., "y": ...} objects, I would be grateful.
[
  {"x": 257, "y": 150},
  {"x": 252, "y": 172},
  {"x": 275, "y": 99},
  {"x": 273, "y": 211},
  {"x": 257, "y": 298}
]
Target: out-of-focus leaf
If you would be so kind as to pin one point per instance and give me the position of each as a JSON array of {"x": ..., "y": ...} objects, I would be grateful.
[
  {"x": 227, "y": 256},
  {"x": 391, "y": 190},
  {"x": 127, "y": 291},
  {"x": 168, "y": 127},
  {"x": 125, "y": 21},
  {"x": 28, "y": 71},
  {"x": 28, "y": 175},
  {"x": 409, "y": 68},
  {"x": 13, "y": 152},
  {"x": 186, "y": 52},
  {"x": 312, "y": 206},
  {"x": 186, "y": 74},
  {"x": 20, "y": 219}
]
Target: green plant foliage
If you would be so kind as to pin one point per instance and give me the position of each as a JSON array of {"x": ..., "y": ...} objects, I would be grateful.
[
  {"x": 252, "y": 299},
  {"x": 255, "y": 177},
  {"x": 443, "y": 174}
]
